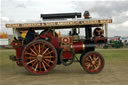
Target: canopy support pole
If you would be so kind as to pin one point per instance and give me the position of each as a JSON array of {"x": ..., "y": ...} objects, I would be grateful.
[
  {"x": 106, "y": 30},
  {"x": 14, "y": 29}
]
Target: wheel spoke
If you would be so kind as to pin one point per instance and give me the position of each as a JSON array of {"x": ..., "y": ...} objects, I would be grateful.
[
  {"x": 34, "y": 47},
  {"x": 31, "y": 61},
  {"x": 34, "y": 63},
  {"x": 95, "y": 67},
  {"x": 88, "y": 60},
  {"x": 96, "y": 58},
  {"x": 48, "y": 52},
  {"x": 44, "y": 66},
  {"x": 33, "y": 51},
  {"x": 46, "y": 63},
  {"x": 36, "y": 67},
  {"x": 88, "y": 65},
  {"x": 49, "y": 60},
  {"x": 94, "y": 55},
  {"x": 90, "y": 57},
  {"x": 99, "y": 62},
  {"x": 43, "y": 47},
  {"x": 39, "y": 48},
  {"x": 48, "y": 56},
  {"x": 30, "y": 54},
  {"x": 45, "y": 51},
  {"x": 30, "y": 58}
]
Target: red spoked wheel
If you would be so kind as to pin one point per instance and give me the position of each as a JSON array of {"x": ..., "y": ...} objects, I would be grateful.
[
  {"x": 39, "y": 57},
  {"x": 93, "y": 62}
]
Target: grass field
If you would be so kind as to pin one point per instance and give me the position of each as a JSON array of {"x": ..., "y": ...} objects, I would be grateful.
[{"x": 115, "y": 71}]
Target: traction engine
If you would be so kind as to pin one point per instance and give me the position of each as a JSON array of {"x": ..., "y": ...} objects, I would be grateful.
[{"x": 40, "y": 54}]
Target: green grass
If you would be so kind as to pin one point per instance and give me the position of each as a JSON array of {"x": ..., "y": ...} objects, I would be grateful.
[
  {"x": 115, "y": 55},
  {"x": 4, "y": 56},
  {"x": 111, "y": 56},
  {"x": 5, "y": 63},
  {"x": 114, "y": 72}
]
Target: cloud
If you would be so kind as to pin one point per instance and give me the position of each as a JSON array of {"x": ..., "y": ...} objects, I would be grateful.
[
  {"x": 110, "y": 8},
  {"x": 16, "y": 3},
  {"x": 22, "y": 5},
  {"x": 4, "y": 19},
  {"x": 125, "y": 24},
  {"x": 103, "y": 8},
  {"x": 116, "y": 10}
]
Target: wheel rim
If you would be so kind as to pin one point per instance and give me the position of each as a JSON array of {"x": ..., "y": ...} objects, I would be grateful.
[
  {"x": 39, "y": 57},
  {"x": 93, "y": 62}
]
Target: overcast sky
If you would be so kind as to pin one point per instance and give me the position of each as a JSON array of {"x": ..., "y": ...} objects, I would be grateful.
[{"x": 14, "y": 11}]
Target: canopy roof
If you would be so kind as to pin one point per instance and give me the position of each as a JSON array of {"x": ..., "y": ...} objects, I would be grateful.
[{"x": 61, "y": 24}]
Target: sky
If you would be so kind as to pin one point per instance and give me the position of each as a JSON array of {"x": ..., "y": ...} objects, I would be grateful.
[{"x": 21, "y": 11}]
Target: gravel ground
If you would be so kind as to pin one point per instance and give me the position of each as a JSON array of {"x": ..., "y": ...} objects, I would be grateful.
[{"x": 71, "y": 75}]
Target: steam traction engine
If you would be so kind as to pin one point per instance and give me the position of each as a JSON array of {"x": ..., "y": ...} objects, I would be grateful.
[{"x": 39, "y": 53}]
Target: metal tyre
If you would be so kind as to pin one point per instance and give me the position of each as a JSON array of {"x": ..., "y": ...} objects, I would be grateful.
[
  {"x": 93, "y": 62},
  {"x": 39, "y": 57}
]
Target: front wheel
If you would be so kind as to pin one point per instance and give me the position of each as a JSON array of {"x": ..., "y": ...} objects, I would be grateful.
[{"x": 92, "y": 62}]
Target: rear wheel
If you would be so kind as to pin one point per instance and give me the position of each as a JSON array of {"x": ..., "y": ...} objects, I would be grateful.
[
  {"x": 39, "y": 57},
  {"x": 92, "y": 62}
]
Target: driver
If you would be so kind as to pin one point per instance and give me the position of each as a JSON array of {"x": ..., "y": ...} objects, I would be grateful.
[
  {"x": 30, "y": 36},
  {"x": 98, "y": 32}
]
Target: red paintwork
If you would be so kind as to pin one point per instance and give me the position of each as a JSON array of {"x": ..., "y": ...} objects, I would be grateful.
[
  {"x": 18, "y": 47},
  {"x": 18, "y": 56},
  {"x": 67, "y": 55},
  {"x": 78, "y": 46},
  {"x": 42, "y": 36},
  {"x": 100, "y": 39},
  {"x": 53, "y": 39},
  {"x": 45, "y": 34}
]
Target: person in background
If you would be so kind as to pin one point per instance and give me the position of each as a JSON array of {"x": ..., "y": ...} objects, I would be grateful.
[
  {"x": 125, "y": 43},
  {"x": 86, "y": 15}
]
